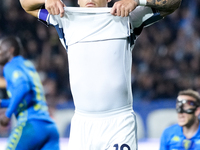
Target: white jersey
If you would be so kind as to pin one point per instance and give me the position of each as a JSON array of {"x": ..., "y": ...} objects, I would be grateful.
[{"x": 99, "y": 47}]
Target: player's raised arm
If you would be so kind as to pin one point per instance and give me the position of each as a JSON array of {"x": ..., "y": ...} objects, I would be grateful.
[
  {"x": 165, "y": 7},
  {"x": 123, "y": 7},
  {"x": 55, "y": 7},
  {"x": 32, "y": 7}
]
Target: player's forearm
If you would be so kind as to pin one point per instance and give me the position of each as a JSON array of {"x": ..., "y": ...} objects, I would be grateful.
[
  {"x": 32, "y": 6},
  {"x": 165, "y": 7},
  {"x": 2, "y": 83}
]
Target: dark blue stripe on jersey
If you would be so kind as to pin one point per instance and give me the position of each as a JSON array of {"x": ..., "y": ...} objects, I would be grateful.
[
  {"x": 137, "y": 31},
  {"x": 149, "y": 21},
  {"x": 61, "y": 34},
  {"x": 154, "y": 10},
  {"x": 132, "y": 39},
  {"x": 43, "y": 14},
  {"x": 153, "y": 19},
  {"x": 43, "y": 22}
]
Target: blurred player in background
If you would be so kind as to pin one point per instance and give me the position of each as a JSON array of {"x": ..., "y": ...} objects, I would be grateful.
[
  {"x": 35, "y": 129},
  {"x": 186, "y": 134},
  {"x": 99, "y": 45}
]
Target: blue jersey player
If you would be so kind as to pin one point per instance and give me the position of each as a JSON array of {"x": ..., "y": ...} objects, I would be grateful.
[
  {"x": 186, "y": 134},
  {"x": 35, "y": 129}
]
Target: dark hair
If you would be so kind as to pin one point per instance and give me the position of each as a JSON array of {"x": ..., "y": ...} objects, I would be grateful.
[
  {"x": 15, "y": 42},
  {"x": 192, "y": 93}
]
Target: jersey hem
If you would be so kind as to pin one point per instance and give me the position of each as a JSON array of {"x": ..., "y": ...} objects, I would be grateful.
[{"x": 103, "y": 114}]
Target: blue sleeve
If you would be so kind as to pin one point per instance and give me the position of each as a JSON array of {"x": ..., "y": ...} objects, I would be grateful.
[
  {"x": 144, "y": 16},
  {"x": 163, "y": 142},
  {"x": 17, "y": 96},
  {"x": 5, "y": 103},
  {"x": 17, "y": 85}
]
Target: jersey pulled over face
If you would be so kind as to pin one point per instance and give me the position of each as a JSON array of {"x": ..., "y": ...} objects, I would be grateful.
[{"x": 92, "y": 3}]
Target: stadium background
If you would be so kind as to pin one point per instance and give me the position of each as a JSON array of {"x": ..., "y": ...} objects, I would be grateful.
[{"x": 166, "y": 59}]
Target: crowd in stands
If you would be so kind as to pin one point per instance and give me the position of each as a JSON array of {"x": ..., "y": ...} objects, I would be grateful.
[{"x": 166, "y": 57}]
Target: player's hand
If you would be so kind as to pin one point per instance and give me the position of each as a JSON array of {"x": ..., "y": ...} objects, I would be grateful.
[
  {"x": 4, "y": 121},
  {"x": 55, "y": 7},
  {"x": 123, "y": 7}
]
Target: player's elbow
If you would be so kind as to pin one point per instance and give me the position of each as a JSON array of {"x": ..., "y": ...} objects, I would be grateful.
[
  {"x": 24, "y": 5},
  {"x": 171, "y": 8},
  {"x": 176, "y": 5},
  {"x": 28, "y": 8}
]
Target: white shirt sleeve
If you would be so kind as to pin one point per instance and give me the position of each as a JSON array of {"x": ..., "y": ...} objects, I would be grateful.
[{"x": 144, "y": 16}]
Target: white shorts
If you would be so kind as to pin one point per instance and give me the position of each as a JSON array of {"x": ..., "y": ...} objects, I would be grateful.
[{"x": 110, "y": 131}]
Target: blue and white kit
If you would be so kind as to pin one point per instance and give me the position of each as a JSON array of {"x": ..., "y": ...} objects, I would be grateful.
[{"x": 99, "y": 47}]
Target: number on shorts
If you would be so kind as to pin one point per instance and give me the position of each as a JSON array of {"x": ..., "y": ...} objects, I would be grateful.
[{"x": 122, "y": 147}]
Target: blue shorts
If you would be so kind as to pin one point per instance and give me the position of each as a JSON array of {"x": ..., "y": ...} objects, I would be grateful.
[{"x": 34, "y": 135}]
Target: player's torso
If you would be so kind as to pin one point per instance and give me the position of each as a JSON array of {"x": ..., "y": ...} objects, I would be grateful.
[
  {"x": 99, "y": 63},
  {"x": 99, "y": 59},
  {"x": 100, "y": 74}
]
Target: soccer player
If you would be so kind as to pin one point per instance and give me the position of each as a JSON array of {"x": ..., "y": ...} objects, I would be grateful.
[
  {"x": 35, "y": 129},
  {"x": 186, "y": 134},
  {"x": 99, "y": 43}
]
